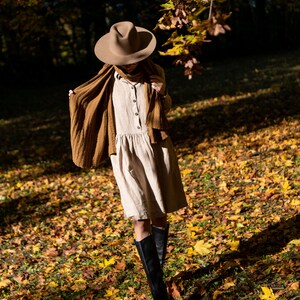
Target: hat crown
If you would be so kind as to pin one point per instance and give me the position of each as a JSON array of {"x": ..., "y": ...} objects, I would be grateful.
[
  {"x": 124, "y": 38},
  {"x": 125, "y": 44}
]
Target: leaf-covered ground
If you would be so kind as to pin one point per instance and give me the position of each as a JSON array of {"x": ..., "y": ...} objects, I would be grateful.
[{"x": 236, "y": 130}]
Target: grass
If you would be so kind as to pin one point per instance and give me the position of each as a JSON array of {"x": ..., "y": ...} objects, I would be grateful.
[{"x": 236, "y": 130}]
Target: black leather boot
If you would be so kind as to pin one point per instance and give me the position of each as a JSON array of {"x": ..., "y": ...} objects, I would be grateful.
[
  {"x": 148, "y": 254},
  {"x": 160, "y": 237}
]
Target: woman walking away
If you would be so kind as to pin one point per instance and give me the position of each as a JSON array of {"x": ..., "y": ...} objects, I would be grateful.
[{"x": 121, "y": 114}]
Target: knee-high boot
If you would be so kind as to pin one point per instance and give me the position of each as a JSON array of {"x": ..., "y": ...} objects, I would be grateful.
[
  {"x": 160, "y": 237},
  {"x": 148, "y": 254}
]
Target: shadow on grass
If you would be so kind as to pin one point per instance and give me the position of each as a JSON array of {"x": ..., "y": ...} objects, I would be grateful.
[
  {"x": 30, "y": 209},
  {"x": 268, "y": 242}
]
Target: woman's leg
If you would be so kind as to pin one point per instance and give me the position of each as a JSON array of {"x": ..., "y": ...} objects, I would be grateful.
[{"x": 142, "y": 229}]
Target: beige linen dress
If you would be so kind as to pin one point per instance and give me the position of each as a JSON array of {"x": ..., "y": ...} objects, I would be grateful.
[{"x": 146, "y": 173}]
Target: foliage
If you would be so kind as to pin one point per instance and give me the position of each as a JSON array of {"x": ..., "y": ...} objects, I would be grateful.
[
  {"x": 194, "y": 28},
  {"x": 37, "y": 36},
  {"x": 190, "y": 23},
  {"x": 236, "y": 132},
  {"x": 40, "y": 34}
]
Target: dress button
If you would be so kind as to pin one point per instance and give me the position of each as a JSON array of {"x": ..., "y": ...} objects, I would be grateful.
[
  {"x": 136, "y": 114},
  {"x": 134, "y": 100},
  {"x": 138, "y": 127}
]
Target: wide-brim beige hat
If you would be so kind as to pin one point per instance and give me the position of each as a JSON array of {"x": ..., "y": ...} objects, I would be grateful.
[{"x": 125, "y": 44}]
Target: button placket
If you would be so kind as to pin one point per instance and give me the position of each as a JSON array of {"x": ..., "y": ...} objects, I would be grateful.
[{"x": 137, "y": 120}]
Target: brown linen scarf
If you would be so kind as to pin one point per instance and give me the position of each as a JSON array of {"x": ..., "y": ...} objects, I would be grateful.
[
  {"x": 92, "y": 126},
  {"x": 137, "y": 77}
]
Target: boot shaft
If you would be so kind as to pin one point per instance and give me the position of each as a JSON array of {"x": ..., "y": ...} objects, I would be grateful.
[
  {"x": 149, "y": 257},
  {"x": 160, "y": 237}
]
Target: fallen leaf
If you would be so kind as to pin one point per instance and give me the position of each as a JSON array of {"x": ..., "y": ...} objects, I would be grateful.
[
  {"x": 186, "y": 172},
  {"x": 202, "y": 248},
  {"x": 267, "y": 294},
  {"x": 175, "y": 290},
  {"x": 228, "y": 285},
  {"x": 294, "y": 286},
  {"x": 234, "y": 245},
  {"x": 53, "y": 284},
  {"x": 106, "y": 263},
  {"x": 36, "y": 248},
  {"x": 295, "y": 242},
  {"x": 4, "y": 283}
]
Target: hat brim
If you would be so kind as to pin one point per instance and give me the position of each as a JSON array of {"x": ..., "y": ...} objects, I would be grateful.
[{"x": 148, "y": 44}]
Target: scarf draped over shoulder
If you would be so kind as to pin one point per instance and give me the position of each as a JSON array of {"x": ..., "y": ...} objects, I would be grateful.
[{"x": 92, "y": 126}]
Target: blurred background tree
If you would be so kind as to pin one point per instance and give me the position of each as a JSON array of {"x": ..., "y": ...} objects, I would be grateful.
[{"x": 40, "y": 37}]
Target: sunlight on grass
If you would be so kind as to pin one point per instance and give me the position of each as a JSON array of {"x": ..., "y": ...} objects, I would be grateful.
[{"x": 196, "y": 106}]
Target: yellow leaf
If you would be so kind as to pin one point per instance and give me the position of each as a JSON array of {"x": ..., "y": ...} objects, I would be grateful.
[
  {"x": 295, "y": 203},
  {"x": 267, "y": 294},
  {"x": 295, "y": 242},
  {"x": 49, "y": 269},
  {"x": 4, "y": 283},
  {"x": 234, "y": 245},
  {"x": 190, "y": 251},
  {"x": 216, "y": 294},
  {"x": 106, "y": 263},
  {"x": 228, "y": 285},
  {"x": 233, "y": 190},
  {"x": 286, "y": 186},
  {"x": 108, "y": 230},
  {"x": 234, "y": 217},
  {"x": 111, "y": 293},
  {"x": 25, "y": 281},
  {"x": 288, "y": 163},
  {"x": 192, "y": 235},
  {"x": 36, "y": 248},
  {"x": 294, "y": 286},
  {"x": 202, "y": 248},
  {"x": 79, "y": 285},
  {"x": 53, "y": 284},
  {"x": 223, "y": 186},
  {"x": 218, "y": 229},
  {"x": 64, "y": 270},
  {"x": 186, "y": 172},
  {"x": 80, "y": 281}
]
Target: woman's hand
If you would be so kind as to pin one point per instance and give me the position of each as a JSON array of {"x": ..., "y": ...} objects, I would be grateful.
[{"x": 157, "y": 83}]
